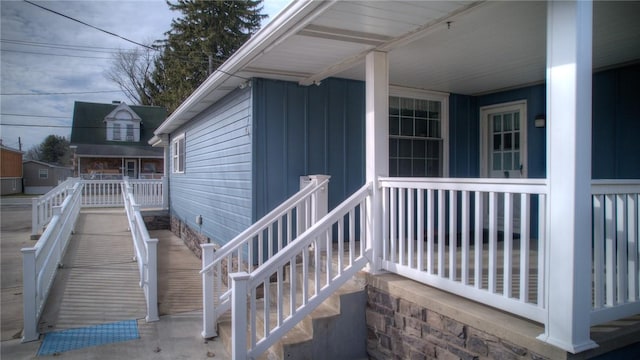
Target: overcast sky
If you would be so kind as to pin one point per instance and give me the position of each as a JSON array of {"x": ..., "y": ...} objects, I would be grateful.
[{"x": 44, "y": 55}]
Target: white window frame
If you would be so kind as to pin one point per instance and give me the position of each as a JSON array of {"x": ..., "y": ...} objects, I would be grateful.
[
  {"x": 443, "y": 98},
  {"x": 178, "y": 158},
  {"x": 43, "y": 174},
  {"x": 116, "y": 126}
]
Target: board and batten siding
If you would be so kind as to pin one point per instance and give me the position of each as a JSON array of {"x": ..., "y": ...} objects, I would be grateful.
[
  {"x": 307, "y": 130},
  {"x": 216, "y": 183}
]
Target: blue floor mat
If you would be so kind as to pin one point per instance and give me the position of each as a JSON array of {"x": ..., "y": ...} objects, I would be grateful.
[{"x": 72, "y": 339}]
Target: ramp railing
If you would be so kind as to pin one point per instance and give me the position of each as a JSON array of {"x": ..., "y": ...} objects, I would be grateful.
[
  {"x": 41, "y": 262},
  {"x": 146, "y": 251},
  {"x": 42, "y": 207}
]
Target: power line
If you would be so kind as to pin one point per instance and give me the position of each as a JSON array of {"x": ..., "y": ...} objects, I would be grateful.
[
  {"x": 89, "y": 25},
  {"x": 46, "y": 126},
  {"x": 49, "y": 54},
  {"x": 61, "y": 93},
  {"x": 58, "y": 46},
  {"x": 42, "y": 116}
]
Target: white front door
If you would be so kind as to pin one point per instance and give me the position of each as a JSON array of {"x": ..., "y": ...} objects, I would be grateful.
[{"x": 504, "y": 149}]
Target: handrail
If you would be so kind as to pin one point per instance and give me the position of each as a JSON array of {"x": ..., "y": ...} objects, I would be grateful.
[
  {"x": 256, "y": 244},
  {"x": 349, "y": 262},
  {"x": 40, "y": 262},
  {"x": 42, "y": 206},
  {"x": 261, "y": 224},
  {"x": 145, "y": 251}
]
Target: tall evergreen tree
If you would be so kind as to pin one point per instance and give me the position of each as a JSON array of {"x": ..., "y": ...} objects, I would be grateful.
[{"x": 206, "y": 34}]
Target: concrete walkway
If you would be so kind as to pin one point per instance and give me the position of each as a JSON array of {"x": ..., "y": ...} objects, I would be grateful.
[{"x": 99, "y": 284}]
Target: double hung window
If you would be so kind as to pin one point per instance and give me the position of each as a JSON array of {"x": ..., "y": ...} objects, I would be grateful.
[
  {"x": 178, "y": 154},
  {"x": 417, "y": 134}
]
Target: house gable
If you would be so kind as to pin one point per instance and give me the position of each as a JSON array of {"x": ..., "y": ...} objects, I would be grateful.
[{"x": 123, "y": 124}]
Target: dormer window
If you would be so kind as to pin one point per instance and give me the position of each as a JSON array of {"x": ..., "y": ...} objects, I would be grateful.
[
  {"x": 116, "y": 132},
  {"x": 123, "y": 124}
]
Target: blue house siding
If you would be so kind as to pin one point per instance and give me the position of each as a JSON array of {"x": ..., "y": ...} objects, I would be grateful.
[
  {"x": 216, "y": 183},
  {"x": 306, "y": 130},
  {"x": 616, "y": 123}
]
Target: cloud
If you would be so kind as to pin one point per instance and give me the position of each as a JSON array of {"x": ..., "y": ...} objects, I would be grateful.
[{"x": 80, "y": 69}]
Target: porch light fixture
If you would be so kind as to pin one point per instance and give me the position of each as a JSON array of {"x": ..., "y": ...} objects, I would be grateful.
[{"x": 540, "y": 121}]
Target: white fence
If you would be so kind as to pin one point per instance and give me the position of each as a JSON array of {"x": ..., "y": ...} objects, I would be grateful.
[
  {"x": 148, "y": 193},
  {"x": 616, "y": 254},
  {"x": 471, "y": 237},
  {"x": 146, "y": 251},
  {"x": 40, "y": 262},
  {"x": 267, "y": 303},
  {"x": 251, "y": 248},
  {"x": 42, "y": 207}
]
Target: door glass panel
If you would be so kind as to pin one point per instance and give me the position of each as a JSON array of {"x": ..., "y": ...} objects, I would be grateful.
[
  {"x": 497, "y": 161},
  {"x": 507, "y": 141},
  {"x": 516, "y": 121},
  {"x": 508, "y": 160},
  {"x": 516, "y": 160},
  {"x": 516, "y": 140},
  {"x": 496, "y": 142}
]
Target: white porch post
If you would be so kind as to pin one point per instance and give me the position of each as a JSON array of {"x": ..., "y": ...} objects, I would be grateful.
[
  {"x": 568, "y": 253},
  {"x": 377, "y": 145}
]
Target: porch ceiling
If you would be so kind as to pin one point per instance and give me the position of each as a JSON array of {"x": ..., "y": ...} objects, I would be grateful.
[
  {"x": 463, "y": 47},
  {"x": 455, "y": 46}
]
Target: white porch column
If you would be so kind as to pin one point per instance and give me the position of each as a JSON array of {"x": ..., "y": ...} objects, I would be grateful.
[
  {"x": 568, "y": 253},
  {"x": 377, "y": 144}
]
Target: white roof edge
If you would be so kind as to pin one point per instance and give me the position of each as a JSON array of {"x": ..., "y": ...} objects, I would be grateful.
[{"x": 295, "y": 16}]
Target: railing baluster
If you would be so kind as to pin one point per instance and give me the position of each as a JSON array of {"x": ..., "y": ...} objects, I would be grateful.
[
  {"x": 430, "y": 230},
  {"x": 464, "y": 258},
  {"x": 453, "y": 234},
  {"x": 493, "y": 240},
  {"x": 621, "y": 247},
  {"x": 610, "y": 250},
  {"x": 410, "y": 230},
  {"x": 441, "y": 232},
  {"x": 507, "y": 244},
  {"x": 393, "y": 227},
  {"x": 420, "y": 231},
  {"x": 524, "y": 246},
  {"x": 633, "y": 266},
  {"x": 598, "y": 251}
]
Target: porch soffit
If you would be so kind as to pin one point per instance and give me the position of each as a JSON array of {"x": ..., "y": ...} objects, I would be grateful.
[{"x": 449, "y": 46}]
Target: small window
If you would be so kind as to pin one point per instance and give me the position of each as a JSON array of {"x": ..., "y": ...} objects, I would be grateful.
[
  {"x": 116, "y": 132},
  {"x": 178, "y": 154},
  {"x": 43, "y": 173},
  {"x": 130, "y": 132}
]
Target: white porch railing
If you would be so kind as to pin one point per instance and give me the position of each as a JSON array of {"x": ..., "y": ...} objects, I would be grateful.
[
  {"x": 148, "y": 193},
  {"x": 317, "y": 275},
  {"x": 252, "y": 247},
  {"x": 471, "y": 237},
  {"x": 616, "y": 254},
  {"x": 146, "y": 251},
  {"x": 42, "y": 207},
  {"x": 40, "y": 262}
]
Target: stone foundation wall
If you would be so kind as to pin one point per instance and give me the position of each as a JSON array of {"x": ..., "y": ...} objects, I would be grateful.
[
  {"x": 190, "y": 237},
  {"x": 399, "y": 329}
]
